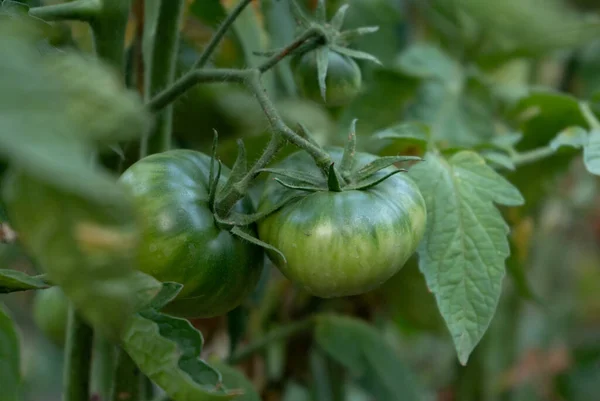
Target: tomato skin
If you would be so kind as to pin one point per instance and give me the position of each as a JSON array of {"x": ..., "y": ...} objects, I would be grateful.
[
  {"x": 180, "y": 240},
  {"x": 50, "y": 314},
  {"x": 343, "y": 80},
  {"x": 344, "y": 243}
]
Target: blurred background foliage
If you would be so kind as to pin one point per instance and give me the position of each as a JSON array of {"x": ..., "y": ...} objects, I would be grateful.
[{"x": 472, "y": 69}]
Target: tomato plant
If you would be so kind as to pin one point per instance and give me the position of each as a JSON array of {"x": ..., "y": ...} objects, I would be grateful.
[
  {"x": 185, "y": 214},
  {"x": 181, "y": 240}
]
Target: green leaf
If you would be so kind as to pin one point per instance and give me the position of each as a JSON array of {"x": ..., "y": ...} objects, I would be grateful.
[
  {"x": 591, "y": 153},
  {"x": 166, "y": 349},
  {"x": 404, "y": 138},
  {"x": 460, "y": 112},
  {"x": 465, "y": 246},
  {"x": 88, "y": 248},
  {"x": 233, "y": 378},
  {"x": 544, "y": 114},
  {"x": 428, "y": 61},
  {"x": 13, "y": 280},
  {"x": 575, "y": 137},
  {"x": 50, "y": 107},
  {"x": 10, "y": 369},
  {"x": 498, "y": 159},
  {"x": 364, "y": 352}
]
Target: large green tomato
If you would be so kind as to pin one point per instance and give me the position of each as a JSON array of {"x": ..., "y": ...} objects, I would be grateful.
[
  {"x": 343, "y": 243},
  {"x": 51, "y": 312},
  {"x": 343, "y": 79},
  {"x": 180, "y": 240}
]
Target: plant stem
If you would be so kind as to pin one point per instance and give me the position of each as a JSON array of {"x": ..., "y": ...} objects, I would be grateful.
[
  {"x": 80, "y": 10},
  {"x": 78, "y": 359},
  {"x": 160, "y": 70},
  {"x": 278, "y": 334},
  {"x": 280, "y": 132},
  {"x": 179, "y": 87},
  {"x": 128, "y": 380},
  {"x": 103, "y": 366},
  {"x": 312, "y": 33},
  {"x": 218, "y": 36},
  {"x": 532, "y": 156},
  {"x": 108, "y": 30}
]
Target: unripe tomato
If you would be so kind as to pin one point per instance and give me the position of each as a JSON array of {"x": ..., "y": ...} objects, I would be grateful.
[
  {"x": 343, "y": 80},
  {"x": 343, "y": 243},
  {"x": 180, "y": 239},
  {"x": 51, "y": 312}
]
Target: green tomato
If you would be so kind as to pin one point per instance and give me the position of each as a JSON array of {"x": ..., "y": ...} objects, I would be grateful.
[
  {"x": 343, "y": 243},
  {"x": 180, "y": 239},
  {"x": 343, "y": 80},
  {"x": 50, "y": 313}
]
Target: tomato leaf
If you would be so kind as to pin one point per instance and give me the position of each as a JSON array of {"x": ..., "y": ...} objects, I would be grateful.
[
  {"x": 591, "y": 153},
  {"x": 404, "y": 138},
  {"x": 429, "y": 62},
  {"x": 498, "y": 159},
  {"x": 233, "y": 378},
  {"x": 465, "y": 246},
  {"x": 13, "y": 280},
  {"x": 166, "y": 349},
  {"x": 88, "y": 248},
  {"x": 364, "y": 352},
  {"x": 10, "y": 369},
  {"x": 575, "y": 137}
]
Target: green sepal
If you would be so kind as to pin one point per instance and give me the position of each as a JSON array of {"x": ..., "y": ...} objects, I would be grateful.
[
  {"x": 299, "y": 15},
  {"x": 305, "y": 133},
  {"x": 167, "y": 293},
  {"x": 245, "y": 236},
  {"x": 295, "y": 175},
  {"x": 322, "y": 54},
  {"x": 297, "y": 187},
  {"x": 241, "y": 219},
  {"x": 212, "y": 194},
  {"x": 347, "y": 163},
  {"x": 355, "y": 54},
  {"x": 372, "y": 181},
  {"x": 338, "y": 19},
  {"x": 379, "y": 164},
  {"x": 321, "y": 12},
  {"x": 240, "y": 167},
  {"x": 213, "y": 157},
  {"x": 352, "y": 34},
  {"x": 334, "y": 181}
]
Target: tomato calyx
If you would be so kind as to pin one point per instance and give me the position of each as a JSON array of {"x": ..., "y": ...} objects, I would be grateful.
[
  {"x": 345, "y": 177},
  {"x": 234, "y": 222}
]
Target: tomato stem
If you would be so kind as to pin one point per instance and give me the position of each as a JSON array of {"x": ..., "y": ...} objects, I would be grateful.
[
  {"x": 532, "y": 156},
  {"x": 160, "y": 70},
  {"x": 128, "y": 379},
  {"x": 78, "y": 359},
  {"x": 218, "y": 36},
  {"x": 278, "y": 334}
]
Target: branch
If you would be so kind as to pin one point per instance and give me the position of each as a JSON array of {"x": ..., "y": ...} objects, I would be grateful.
[
  {"x": 160, "y": 71},
  {"x": 278, "y": 334},
  {"x": 78, "y": 359},
  {"x": 310, "y": 34},
  {"x": 183, "y": 84},
  {"x": 532, "y": 156},
  {"x": 218, "y": 36},
  {"x": 79, "y": 10}
]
